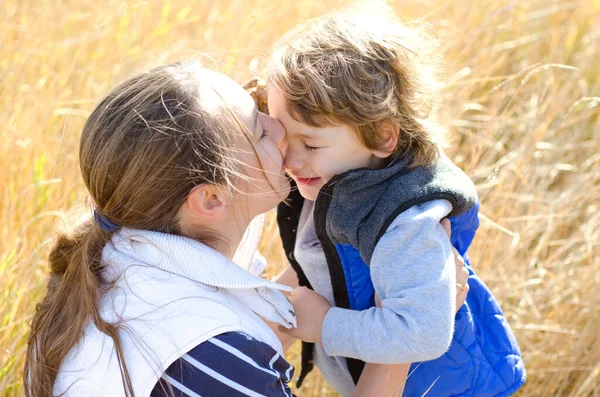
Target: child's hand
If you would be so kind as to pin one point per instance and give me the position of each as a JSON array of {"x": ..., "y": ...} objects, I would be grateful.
[{"x": 310, "y": 309}]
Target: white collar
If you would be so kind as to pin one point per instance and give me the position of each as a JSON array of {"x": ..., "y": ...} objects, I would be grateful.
[
  {"x": 193, "y": 260},
  {"x": 187, "y": 258}
]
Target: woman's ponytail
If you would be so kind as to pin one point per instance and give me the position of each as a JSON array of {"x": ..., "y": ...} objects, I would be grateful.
[{"x": 74, "y": 289}]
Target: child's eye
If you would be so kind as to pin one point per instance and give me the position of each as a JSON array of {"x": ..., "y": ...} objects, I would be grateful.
[{"x": 310, "y": 148}]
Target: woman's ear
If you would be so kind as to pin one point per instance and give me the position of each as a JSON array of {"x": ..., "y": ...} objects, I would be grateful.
[
  {"x": 207, "y": 201},
  {"x": 388, "y": 138}
]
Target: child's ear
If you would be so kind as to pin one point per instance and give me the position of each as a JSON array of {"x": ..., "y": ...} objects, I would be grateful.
[
  {"x": 207, "y": 201},
  {"x": 388, "y": 138}
]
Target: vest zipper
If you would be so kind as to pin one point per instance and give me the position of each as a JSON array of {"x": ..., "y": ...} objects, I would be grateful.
[{"x": 336, "y": 271}]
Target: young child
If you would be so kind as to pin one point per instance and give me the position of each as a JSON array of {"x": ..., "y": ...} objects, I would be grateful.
[{"x": 356, "y": 92}]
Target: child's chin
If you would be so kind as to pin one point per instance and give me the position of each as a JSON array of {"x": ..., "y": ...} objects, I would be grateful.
[{"x": 309, "y": 192}]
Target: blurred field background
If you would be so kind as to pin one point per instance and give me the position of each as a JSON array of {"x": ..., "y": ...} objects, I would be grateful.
[{"x": 522, "y": 103}]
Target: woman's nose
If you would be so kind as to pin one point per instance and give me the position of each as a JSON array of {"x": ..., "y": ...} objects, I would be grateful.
[
  {"x": 279, "y": 137},
  {"x": 283, "y": 146}
]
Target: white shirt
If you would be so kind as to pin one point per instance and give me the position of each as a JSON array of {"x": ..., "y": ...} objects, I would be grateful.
[{"x": 171, "y": 293}]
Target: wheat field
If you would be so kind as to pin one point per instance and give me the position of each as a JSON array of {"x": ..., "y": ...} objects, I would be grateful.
[{"x": 522, "y": 103}]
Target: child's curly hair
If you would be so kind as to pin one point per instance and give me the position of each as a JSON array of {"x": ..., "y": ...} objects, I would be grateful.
[{"x": 360, "y": 67}]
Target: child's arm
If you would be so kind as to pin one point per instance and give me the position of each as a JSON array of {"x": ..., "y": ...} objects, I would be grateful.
[
  {"x": 381, "y": 379},
  {"x": 413, "y": 272},
  {"x": 287, "y": 277}
]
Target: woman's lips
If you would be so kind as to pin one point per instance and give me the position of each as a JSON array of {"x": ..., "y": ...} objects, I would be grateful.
[{"x": 307, "y": 181}]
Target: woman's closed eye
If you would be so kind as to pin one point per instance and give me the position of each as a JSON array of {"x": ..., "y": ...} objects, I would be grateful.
[{"x": 265, "y": 134}]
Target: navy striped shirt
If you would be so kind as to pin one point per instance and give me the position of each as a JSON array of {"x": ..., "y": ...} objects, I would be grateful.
[{"x": 231, "y": 364}]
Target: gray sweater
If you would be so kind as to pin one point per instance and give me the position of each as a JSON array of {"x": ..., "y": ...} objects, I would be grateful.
[{"x": 413, "y": 272}]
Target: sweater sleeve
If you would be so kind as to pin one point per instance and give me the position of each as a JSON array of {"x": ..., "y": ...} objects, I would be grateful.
[
  {"x": 230, "y": 364},
  {"x": 413, "y": 272}
]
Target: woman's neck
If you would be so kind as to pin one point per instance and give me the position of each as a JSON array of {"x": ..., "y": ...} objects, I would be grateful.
[
  {"x": 223, "y": 236},
  {"x": 230, "y": 234}
]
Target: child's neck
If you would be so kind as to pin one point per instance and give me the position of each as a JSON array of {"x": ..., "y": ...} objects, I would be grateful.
[{"x": 379, "y": 163}]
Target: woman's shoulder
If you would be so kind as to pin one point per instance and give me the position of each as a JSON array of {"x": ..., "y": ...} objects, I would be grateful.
[{"x": 231, "y": 363}]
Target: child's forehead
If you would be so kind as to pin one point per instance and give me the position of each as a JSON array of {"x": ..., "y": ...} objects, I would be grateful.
[
  {"x": 305, "y": 131},
  {"x": 328, "y": 133},
  {"x": 296, "y": 127},
  {"x": 300, "y": 129}
]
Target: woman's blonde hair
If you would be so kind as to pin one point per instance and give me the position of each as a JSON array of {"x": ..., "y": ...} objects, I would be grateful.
[
  {"x": 360, "y": 67},
  {"x": 143, "y": 148}
]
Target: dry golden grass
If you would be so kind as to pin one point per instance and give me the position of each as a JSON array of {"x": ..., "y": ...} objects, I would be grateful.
[{"x": 522, "y": 103}]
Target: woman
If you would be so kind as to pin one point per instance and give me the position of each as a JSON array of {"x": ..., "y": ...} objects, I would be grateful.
[{"x": 145, "y": 297}]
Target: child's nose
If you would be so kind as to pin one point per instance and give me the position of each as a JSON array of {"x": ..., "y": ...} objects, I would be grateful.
[{"x": 292, "y": 162}]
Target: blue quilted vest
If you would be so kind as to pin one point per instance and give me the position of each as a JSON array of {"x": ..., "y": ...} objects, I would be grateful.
[{"x": 351, "y": 213}]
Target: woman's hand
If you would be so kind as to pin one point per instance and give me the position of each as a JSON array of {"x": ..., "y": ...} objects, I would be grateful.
[
  {"x": 462, "y": 275},
  {"x": 381, "y": 380},
  {"x": 310, "y": 309}
]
